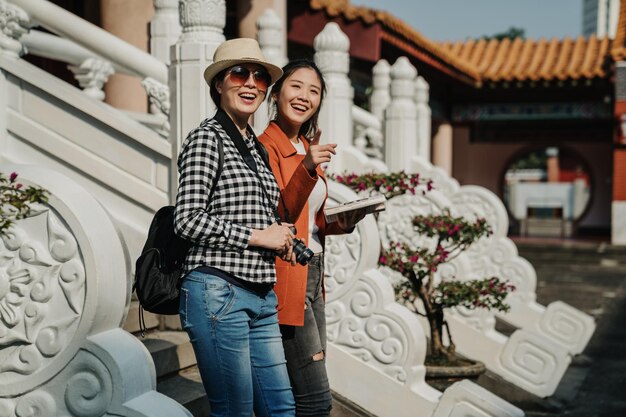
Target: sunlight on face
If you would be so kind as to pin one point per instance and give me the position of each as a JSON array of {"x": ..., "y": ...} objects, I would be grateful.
[
  {"x": 239, "y": 100},
  {"x": 299, "y": 97}
]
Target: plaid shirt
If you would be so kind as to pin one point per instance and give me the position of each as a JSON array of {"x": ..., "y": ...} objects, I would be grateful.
[{"x": 221, "y": 228}]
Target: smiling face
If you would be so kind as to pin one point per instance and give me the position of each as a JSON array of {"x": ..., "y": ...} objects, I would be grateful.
[
  {"x": 298, "y": 99},
  {"x": 240, "y": 100}
]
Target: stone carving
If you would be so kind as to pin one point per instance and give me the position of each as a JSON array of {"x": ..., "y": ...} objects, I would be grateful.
[
  {"x": 40, "y": 270},
  {"x": 370, "y": 336},
  {"x": 159, "y": 95},
  {"x": 331, "y": 46},
  {"x": 202, "y": 19},
  {"x": 91, "y": 75},
  {"x": 14, "y": 22},
  {"x": 63, "y": 295}
]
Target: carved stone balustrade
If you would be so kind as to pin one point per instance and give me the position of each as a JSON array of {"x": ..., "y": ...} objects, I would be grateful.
[
  {"x": 374, "y": 339},
  {"x": 535, "y": 356},
  {"x": 64, "y": 292}
]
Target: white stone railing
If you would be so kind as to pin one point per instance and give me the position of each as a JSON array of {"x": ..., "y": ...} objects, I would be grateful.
[
  {"x": 93, "y": 53},
  {"x": 375, "y": 340},
  {"x": 368, "y": 136},
  {"x": 65, "y": 274},
  {"x": 536, "y": 356}
]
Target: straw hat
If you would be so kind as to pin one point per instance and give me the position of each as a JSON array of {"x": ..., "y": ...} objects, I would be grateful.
[{"x": 239, "y": 51}]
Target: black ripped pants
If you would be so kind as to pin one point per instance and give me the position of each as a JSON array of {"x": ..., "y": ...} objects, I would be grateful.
[{"x": 302, "y": 343}]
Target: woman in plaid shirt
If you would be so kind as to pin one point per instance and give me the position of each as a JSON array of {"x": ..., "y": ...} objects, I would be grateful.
[{"x": 228, "y": 305}]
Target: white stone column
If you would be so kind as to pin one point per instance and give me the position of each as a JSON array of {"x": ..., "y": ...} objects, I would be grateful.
[
  {"x": 270, "y": 37},
  {"x": 424, "y": 118},
  {"x": 332, "y": 57},
  {"x": 164, "y": 29},
  {"x": 203, "y": 24},
  {"x": 401, "y": 117},
  {"x": 442, "y": 148},
  {"x": 14, "y": 22},
  {"x": 381, "y": 80}
]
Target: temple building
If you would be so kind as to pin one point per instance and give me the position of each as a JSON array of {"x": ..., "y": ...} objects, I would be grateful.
[{"x": 536, "y": 121}]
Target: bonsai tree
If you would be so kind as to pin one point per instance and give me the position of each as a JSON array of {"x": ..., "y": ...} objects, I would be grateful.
[
  {"x": 16, "y": 200},
  {"x": 447, "y": 237}
]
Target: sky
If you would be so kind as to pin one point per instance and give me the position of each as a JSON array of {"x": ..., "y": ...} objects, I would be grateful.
[{"x": 443, "y": 20}]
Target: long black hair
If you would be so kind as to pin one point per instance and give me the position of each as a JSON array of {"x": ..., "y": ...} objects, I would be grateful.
[{"x": 310, "y": 127}]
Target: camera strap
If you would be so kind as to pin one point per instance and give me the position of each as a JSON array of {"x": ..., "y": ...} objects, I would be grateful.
[{"x": 235, "y": 135}]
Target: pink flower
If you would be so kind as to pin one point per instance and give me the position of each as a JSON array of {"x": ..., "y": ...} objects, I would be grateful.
[
  {"x": 18, "y": 186},
  {"x": 13, "y": 176}
]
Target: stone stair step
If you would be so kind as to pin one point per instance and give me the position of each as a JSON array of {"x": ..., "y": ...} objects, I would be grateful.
[
  {"x": 186, "y": 388},
  {"x": 171, "y": 351}
]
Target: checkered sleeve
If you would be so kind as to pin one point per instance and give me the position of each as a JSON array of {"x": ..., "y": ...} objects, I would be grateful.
[{"x": 198, "y": 166}]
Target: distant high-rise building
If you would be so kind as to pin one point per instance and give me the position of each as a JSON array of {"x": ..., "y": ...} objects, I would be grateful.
[{"x": 600, "y": 17}]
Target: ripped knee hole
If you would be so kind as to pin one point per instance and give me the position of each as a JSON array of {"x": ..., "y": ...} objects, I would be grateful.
[{"x": 318, "y": 356}]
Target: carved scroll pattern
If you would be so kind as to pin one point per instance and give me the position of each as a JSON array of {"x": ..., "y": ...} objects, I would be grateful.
[{"x": 42, "y": 293}]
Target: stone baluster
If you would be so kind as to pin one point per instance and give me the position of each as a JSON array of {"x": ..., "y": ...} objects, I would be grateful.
[
  {"x": 380, "y": 98},
  {"x": 332, "y": 57},
  {"x": 401, "y": 117},
  {"x": 203, "y": 24},
  {"x": 91, "y": 75},
  {"x": 164, "y": 29},
  {"x": 14, "y": 22},
  {"x": 424, "y": 117},
  {"x": 270, "y": 37}
]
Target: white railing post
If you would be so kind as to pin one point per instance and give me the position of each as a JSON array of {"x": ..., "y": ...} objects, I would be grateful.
[
  {"x": 332, "y": 57},
  {"x": 270, "y": 37},
  {"x": 424, "y": 117},
  {"x": 401, "y": 117},
  {"x": 380, "y": 98},
  {"x": 14, "y": 22},
  {"x": 203, "y": 24},
  {"x": 164, "y": 29}
]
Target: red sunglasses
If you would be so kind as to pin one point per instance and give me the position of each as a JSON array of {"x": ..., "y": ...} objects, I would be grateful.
[{"x": 239, "y": 75}]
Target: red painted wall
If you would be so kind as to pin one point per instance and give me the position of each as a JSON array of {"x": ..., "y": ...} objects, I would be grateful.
[{"x": 485, "y": 164}]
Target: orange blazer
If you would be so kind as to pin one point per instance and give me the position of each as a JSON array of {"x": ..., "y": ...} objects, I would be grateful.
[{"x": 296, "y": 184}]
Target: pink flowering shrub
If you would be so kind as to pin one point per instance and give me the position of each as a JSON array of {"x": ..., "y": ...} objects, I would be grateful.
[
  {"x": 16, "y": 200},
  {"x": 388, "y": 184},
  {"x": 450, "y": 236}
]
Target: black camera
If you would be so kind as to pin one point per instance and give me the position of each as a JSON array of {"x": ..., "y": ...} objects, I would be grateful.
[{"x": 303, "y": 254}]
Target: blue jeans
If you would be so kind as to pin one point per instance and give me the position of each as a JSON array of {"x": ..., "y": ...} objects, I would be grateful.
[
  {"x": 305, "y": 350},
  {"x": 237, "y": 342}
]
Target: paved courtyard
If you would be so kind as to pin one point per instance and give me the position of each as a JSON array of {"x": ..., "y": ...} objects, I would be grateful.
[{"x": 591, "y": 277}]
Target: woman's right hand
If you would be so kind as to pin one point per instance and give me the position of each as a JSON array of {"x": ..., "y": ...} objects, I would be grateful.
[
  {"x": 277, "y": 237},
  {"x": 318, "y": 154}
]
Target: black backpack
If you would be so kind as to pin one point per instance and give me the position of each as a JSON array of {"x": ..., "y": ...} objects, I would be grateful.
[{"x": 159, "y": 268}]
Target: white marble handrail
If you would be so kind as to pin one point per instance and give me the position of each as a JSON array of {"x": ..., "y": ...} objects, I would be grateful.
[
  {"x": 45, "y": 45},
  {"x": 121, "y": 54}
]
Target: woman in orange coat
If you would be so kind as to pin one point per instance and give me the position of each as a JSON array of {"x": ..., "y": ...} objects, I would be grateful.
[{"x": 292, "y": 142}]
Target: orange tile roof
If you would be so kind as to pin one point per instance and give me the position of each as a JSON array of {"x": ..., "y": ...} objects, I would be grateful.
[
  {"x": 405, "y": 37},
  {"x": 520, "y": 59},
  {"x": 478, "y": 60}
]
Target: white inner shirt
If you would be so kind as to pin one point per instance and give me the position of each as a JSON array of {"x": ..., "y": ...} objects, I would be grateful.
[{"x": 316, "y": 199}]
